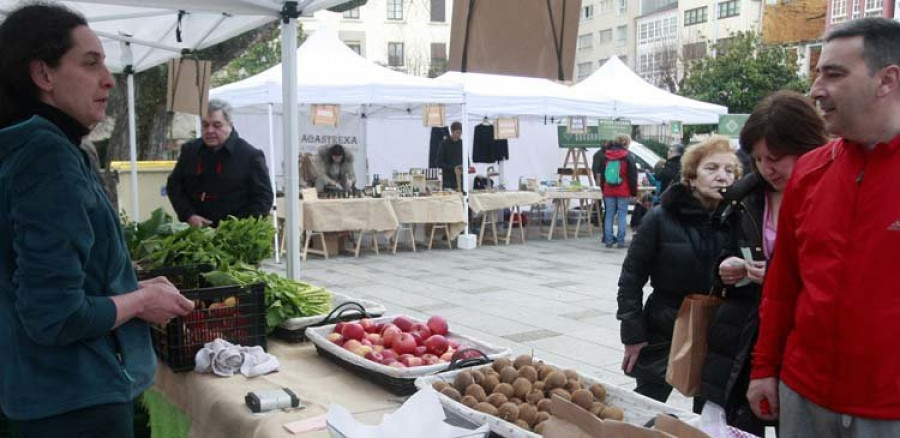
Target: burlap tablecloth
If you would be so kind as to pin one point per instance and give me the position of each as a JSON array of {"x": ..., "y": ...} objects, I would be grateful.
[
  {"x": 348, "y": 214},
  {"x": 581, "y": 194},
  {"x": 215, "y": 405},
  {"x": 432, "y": 210},
  {"x": 480, "y": 202}
]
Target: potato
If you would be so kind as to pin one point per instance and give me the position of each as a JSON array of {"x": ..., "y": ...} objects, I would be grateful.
[
  {"x": 500, "y": 364},
  {"x": 509, "y": 411},
  {"x": 522, "y": 361},
  {"x": 475, "y": 390}
]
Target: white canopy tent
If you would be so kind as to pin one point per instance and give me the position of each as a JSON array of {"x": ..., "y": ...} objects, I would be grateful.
[
  {"x": 641, "y": 102},
  {"x": 157, "y": 30}
]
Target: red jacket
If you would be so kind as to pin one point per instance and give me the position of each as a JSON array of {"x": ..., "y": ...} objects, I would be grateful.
[
  {"x": 830, "y": 314},
  {"x": 627, "y": 173}
]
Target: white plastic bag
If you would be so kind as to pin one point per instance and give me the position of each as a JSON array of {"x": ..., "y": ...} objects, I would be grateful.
[{"x": 712, "y": 421}]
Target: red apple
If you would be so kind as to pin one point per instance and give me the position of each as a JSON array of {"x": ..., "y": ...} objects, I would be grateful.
[
  {"x": 438, "y": 325},
  {"x": 362, "y": 350},
  {"x": 404, "y": 357},
  {"x": 419, "y": 339},
  {"x": 368, "y": 325},
  {"x": 430, "y": 359},
  {"x": 420, "y": 350},
  {"x": 403, "y": 323},
  {"x": 352, "y": 344},
  {"x": 374, "y": 338},
  {"x": 447, "y": 356},
  {"x": 374, "y": 357},
  {"x": 378, "y": 348},
  {"x": 389, "y": 354},
  {"x": 367, "y": 342},
  {"x": 397, "y": 365},
  {"x": 390, "y": 335},
  {"x": 413, "y": 362},
  {"x": 379, "y": 328},
  {"x": 453, "y": 344},
  {"x": 336, "y": 338},
  {"x": 405, "y": 344},
  {"x": 437, "y": 344},
  {"x": 339, "y": 327},
  {"x": 388, "y": 361},
  {"x": 471, "y": 354},
  {"x": 422, "y": 330},
  {"x": 353, "y": 331}
]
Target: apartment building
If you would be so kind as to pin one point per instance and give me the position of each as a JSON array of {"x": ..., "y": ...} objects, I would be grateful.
[
  {"x": 840, "y": 11},
  {"x": 412, "y": 36},
  {"x": 605, "y": 29}
]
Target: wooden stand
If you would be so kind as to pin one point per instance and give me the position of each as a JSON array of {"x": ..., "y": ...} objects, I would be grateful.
[{"x": 576, "y": 165}]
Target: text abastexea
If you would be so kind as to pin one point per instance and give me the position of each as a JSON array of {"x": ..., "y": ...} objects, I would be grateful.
[{"x": 329, "y": 139}]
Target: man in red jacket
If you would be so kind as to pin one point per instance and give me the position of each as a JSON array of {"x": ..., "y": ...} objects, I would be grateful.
[{"x": 826, "y": 362}]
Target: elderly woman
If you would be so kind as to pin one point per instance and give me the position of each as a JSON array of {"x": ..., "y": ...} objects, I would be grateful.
[
  {"x": 335, "y": 169},
  {"x": 781, "y": 129},
  {"x": 676, "y": 248}
]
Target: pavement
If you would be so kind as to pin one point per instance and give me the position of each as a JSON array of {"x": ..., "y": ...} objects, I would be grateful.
[{"x": 554, "y": 299}]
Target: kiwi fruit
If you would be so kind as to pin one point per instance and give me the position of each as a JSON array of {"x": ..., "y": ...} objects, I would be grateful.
[
  {"x": 509, "y": 411},
  {"x": 562, "y": 393},
  {"x": 539, "y": 385},
  {"x": 612, "y": 413},
  {"x": 475, "y": 390},
  {"x": 521, "y": 387},
  {"x": 573, "y": 386},
  {"x": 534, "y": 396},
  {"x": 572, "y": 375},
  {"x": 439, "y": 385},
  {"x": 528, "y": 413},
  {"x": 542, "y": 417},
  {"x": 555, "y": 380},
  {"x": 583, "y": 398},
  {"x": 469, "y": 401},
  {"x": 529, "y": 373},
  {"x": 508, "y": 374},
  {"x": 500, "y": 364},
  {"x": 463, "y": 380},
  {"x": 505, "y": 389},
  {"x": 597, "y": 408},
  {"x": 497, "y": 399},
  {"x": 544, "y": 405},
  {"x": 489, "y": 383},
  {"x": 451, "y": 392},
  {"x": 524, "y": 425},
  {"x": 539, "y": 428},
  {"x": 544, "y": 371},
  {"x": 487, "y": 408},
  {"x": 522, "y": 361},
  {"x": 478, "y": 376},
  {"x": 516, "y": 400},
  {"x": 599, "y": 391}
]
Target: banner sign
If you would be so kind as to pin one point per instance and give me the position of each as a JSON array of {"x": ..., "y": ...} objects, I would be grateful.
[
  {"x": 326, "y": 115},
  {"x": 595, "y": 136},
  {"x": 506, "y": 128},
  {"x": 730, "y": 125}
]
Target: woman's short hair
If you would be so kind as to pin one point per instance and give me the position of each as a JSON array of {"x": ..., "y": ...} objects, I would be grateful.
[
  {"x": 788, "y": 122},
  {"x": 692, "y": 157},
  {"x": 37, "y": 31},
  {"x": 623, "y": 140},
  {"x": 336, "y": 150}
]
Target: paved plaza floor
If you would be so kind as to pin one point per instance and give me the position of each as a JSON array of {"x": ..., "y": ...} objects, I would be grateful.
[{"x": 556, "y": 298}]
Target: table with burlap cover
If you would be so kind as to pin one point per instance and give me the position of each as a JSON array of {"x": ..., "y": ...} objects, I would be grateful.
[
  {"x": 488, "y": 201},
  {"x": 432, "y": 210}
]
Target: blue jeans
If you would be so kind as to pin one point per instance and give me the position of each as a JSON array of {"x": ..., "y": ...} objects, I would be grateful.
[{"x": 616, "y": 207}]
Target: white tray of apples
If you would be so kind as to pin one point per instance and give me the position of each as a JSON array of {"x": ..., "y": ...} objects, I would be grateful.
[{"x": 399, "y": 346}]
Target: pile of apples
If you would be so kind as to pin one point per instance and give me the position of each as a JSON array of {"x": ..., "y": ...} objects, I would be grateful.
[{"x": 399, "y": 344}]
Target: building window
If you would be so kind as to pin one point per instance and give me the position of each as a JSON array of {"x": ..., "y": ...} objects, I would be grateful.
[
  {"x": 585, "y": 42},
  {"x": 438, "y": 11},
  {"x": 587, "y": 12},
  {"x": 584, "y": 70},
  {"x": 606, "y": 7},
  {"x": 395, "y": 9},
  {"x": 623, "y": 7},
  {"x": 694, "y": 51},
  {"x": 438, "y": 59},
  {"x": 838, "y": 11},
  {"x": 352, "y": 13},
  {"x": 395, "y": 54},
  {"x": 605, "y": 36},
  {"x": 722, "y": 45},
  {"x": 874, "y": 8},
  {"x": 622, "y": 35},
  {"x": 354, "y": 46},
  {"x": 695, "y": 16},
  {"x": 729, "y": 9}
]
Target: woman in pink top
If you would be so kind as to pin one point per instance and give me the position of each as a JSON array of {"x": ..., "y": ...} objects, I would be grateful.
[{"x": 783, "y": 127}]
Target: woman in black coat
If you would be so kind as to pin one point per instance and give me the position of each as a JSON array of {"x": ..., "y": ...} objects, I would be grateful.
[
  {"x": 783, "y": 127},
  {"x": 676, "y": 248}
]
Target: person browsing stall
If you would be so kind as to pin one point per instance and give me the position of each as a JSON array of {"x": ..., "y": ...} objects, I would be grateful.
[
  {"x": 219, "y": 174},
  {"x": 74, "y": 320},
  {"x": 618, "y": 179},
  {"x": 825, "y": 364}
]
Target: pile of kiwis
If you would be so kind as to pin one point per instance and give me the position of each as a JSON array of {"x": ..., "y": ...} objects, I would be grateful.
[{"x": 519, "y": 391}]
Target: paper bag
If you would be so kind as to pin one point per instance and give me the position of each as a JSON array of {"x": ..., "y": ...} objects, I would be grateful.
[
  {"x": 571, "y": 421},
  {"x": 688, "y": 350},
  {"x": 676, "y": 427},
  {"x": 188, "y": 86}
]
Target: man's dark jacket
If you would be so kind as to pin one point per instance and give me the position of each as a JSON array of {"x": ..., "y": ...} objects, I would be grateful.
[
  {"x": 669, "y": 173},
  {"x": 450, "y": 156},
  {"x": 231, "y": 181}
]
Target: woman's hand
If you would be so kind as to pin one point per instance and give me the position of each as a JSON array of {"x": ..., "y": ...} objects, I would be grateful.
[
  {"x": 631, "y": 356},
  {"x": 732, "y": 270},
  {"x": 756, "y": 271}
]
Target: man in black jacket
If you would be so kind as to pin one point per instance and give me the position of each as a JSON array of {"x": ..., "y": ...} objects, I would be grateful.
[
  {"x": 670, "y": 171},
  {"x": 450, "y": 157},
  {"x": 219, "y": 175}
]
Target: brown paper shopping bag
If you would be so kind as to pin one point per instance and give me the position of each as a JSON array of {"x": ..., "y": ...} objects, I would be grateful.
[
  {"x": 571, "y": 421},
  {"x": 688, "y": 350}
]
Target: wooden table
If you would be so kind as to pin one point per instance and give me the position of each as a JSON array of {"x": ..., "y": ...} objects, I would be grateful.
[
  {"x": 215, "y": 405},
  {"x": 561, "y": 200},
  {"x": 489, "y": 203}
]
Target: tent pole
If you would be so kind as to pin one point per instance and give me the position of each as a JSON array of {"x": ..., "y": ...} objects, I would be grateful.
[
  {"x": 291, "y": 136},
  {"x": 465, "y": 167},
  {"x": 272, "y": 177},
  {"x": 132, "y": 146}
]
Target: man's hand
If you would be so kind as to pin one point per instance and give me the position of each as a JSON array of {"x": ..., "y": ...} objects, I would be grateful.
[
  {"x": 732, "y": 270},
  {"x": 199, "y": 221},
  {"x": 756, "y": 271},
  {"x": 162, "y": 302},
  {"x": 763, "y": 397},
  {"x": 631, "y": 356},
  {"x": 154, "y": 280}
]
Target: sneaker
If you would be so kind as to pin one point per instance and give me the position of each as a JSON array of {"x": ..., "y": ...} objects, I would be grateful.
[{"x": 609, "y": 245}]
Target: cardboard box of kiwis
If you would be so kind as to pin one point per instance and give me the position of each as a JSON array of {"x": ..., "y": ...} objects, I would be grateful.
[{"x": 514, "y": 397}]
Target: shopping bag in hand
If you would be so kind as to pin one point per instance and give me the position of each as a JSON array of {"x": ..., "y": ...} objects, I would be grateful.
[{"x": 688, "y": 350}]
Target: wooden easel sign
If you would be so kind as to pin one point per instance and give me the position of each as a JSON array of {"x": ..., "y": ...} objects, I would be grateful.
[{"x": 577, "y": 125}]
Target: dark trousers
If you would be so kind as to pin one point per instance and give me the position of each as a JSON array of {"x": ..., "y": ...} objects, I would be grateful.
[
  {"x": 104, "y": 421},
  {"x": 660, "y": 392}
]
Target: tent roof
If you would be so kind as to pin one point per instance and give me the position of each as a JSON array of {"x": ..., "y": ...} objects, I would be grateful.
[
  {"x": 493, "y": 94},
  {"x": 640, "y": 101},
  {"x": 330, "y": 72},
  {"x": 153, "y": 25}
]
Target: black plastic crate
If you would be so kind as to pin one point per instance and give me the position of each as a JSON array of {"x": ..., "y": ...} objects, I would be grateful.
[{"x": 236, "y": 314}]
